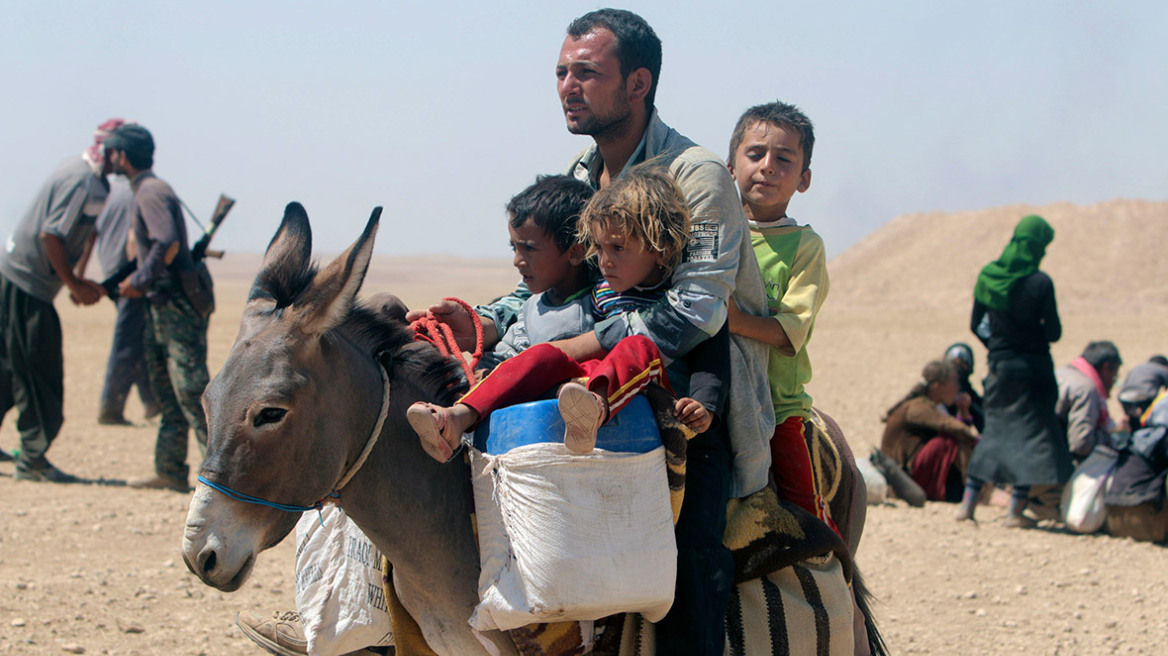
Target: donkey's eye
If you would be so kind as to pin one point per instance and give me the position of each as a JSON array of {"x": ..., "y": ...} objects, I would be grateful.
[{"x": 269, "y": 416}]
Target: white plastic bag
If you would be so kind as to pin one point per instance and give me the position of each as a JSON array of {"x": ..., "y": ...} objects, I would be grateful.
[
  {"x": 874, "y": 481},
  {"x": 338, "y": 585},
  {"x": 1082, "y": 504},
  {"x": 572, "y": 537}
]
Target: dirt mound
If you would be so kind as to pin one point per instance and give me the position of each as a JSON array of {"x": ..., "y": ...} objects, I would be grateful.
[{"x": 1104, "y": 258}]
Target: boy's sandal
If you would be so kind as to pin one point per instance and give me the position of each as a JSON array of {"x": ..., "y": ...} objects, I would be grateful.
[
  {"x": 429, "y": 422},
  {"x": 583, "y": 412}
]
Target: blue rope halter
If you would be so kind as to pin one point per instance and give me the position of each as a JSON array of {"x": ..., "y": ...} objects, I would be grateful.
[
  {"x": 239, "y": 496},
  {"x": 344, "y": 480}
]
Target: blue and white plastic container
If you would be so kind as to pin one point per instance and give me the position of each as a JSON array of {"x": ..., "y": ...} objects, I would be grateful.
[{"x": 567, "y": 536}]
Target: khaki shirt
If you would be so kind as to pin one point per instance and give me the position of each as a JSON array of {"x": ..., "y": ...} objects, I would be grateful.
[{"x": 1078, "y": 408}]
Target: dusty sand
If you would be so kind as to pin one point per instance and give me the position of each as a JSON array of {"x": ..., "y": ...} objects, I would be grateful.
[{"x": 96, "y": 568}]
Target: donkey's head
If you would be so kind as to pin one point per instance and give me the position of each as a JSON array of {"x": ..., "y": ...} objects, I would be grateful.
[{"x": 294, "y": 403}]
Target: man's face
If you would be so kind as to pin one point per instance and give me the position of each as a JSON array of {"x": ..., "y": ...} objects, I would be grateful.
[
  {"x": 107, "y": 165},
  {"x": 768, "y": 167},
  {"x": 1108, "y": 373},
  {"x": 590, "y": 85},
  {"x": 117, "y": 162}
]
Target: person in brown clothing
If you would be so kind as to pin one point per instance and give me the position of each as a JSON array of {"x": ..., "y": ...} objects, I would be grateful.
[
  {"x": 175, "y": 336},
  {"x": 929, "y": 443}
]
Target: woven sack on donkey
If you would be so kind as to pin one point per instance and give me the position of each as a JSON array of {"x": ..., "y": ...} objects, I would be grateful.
[
  {"x": 766, "y": 534},
  {"x": 339, "y": 585},
  {"x": 802, "y": 609}
]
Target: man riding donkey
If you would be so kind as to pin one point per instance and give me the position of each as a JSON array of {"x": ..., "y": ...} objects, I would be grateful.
[{"x": 607, "y": 78}]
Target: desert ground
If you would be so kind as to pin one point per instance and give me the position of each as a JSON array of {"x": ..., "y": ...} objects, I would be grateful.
[{"x": 96, "y": 568}]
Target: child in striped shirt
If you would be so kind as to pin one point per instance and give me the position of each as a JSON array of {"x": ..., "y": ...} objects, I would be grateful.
[{"x": 636, "y": 229}]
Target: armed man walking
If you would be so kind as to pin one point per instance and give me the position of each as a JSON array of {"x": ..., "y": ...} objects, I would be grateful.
[{"x": 176, "y": 331}]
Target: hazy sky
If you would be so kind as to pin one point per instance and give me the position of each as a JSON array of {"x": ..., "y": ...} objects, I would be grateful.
[{"x": 442, "y": 111}]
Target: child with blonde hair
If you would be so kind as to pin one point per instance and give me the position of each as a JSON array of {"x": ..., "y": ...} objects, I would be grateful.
[{"x": 636, "y": 230}]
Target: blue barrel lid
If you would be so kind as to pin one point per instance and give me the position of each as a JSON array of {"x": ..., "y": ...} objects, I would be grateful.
[{"x": 633, "y": 429}]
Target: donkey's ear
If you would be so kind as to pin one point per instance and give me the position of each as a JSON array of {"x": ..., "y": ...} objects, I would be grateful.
[
  {"x": 287, "y": 262},
  {"x": 335, "y": 288}
]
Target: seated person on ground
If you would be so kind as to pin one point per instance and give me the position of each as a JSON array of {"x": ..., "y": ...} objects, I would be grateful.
[
  {"x": 968, "y": 404},
  {"x": 636, "y": 228},
  {"x": 1135, "y": 496},
  {"x": 922, "y": 437},
  {"x": 1083, "y": 388},
  {"x": 1141, "y": 388}
]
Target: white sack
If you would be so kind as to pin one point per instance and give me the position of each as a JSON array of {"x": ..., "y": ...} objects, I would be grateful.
[
  {"x": 338, "y": 585},
  {"x": 564, "y": 536},
  {"x": 873, "y": 480},
  {"x": 1082, "y": 504}
]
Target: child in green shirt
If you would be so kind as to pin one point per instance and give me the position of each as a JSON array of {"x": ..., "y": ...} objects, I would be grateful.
[{"x": 770, "y": 159}]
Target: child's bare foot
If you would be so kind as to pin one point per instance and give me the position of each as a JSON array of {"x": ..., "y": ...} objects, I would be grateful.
[
  {"x": 439, "y": 428},
  {"x": 583, "y": 411}
]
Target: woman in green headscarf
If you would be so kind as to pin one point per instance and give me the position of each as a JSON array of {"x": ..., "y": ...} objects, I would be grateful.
[
  {"x": 1018, "y": 260},
  {"x": 1016, "y": 317}
]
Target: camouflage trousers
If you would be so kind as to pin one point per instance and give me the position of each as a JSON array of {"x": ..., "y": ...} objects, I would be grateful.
[{"x": 176, "y": 361}]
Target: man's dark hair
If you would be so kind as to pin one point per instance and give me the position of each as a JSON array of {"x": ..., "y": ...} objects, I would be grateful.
[
  {"x": 1100, "y": 353},
  {"x": 780, "y": 114},
  {"x": 135, "y": 141},
  {"x": 1159, "y": 359},
  {"x": 553, "y": 203},
  {"x": 637, "y": 45}
]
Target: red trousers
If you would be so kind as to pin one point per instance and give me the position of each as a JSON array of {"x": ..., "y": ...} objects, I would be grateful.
[
  {"x": 628, "y": 368},
  {"x": 932, "y": 464},
  {"x": 793, "y": 472}
]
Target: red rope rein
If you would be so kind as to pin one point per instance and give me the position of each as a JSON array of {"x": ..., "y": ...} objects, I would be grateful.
[{"x": 429, "y": 329}]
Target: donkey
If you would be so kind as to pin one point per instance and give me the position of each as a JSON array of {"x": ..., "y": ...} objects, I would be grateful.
[
  {"x": 310, "y": 407},
  {"x": 290, "y": 413}
]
